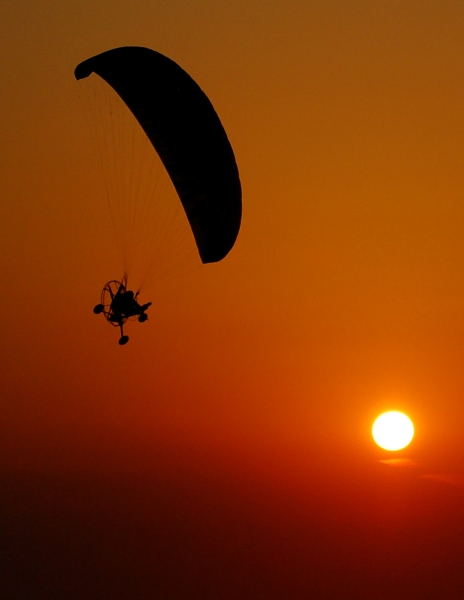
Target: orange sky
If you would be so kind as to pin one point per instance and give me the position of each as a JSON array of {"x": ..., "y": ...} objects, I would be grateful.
[{"x": 226, "y": 451}]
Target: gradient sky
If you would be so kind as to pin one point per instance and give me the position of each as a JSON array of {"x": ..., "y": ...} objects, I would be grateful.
[{"x": 225, "y": 452}]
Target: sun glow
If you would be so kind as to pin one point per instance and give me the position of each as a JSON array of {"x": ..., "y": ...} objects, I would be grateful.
[{"x": 393, "y": 431}]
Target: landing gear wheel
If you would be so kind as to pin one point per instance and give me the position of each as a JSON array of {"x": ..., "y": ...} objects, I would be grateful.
[
  {"x": 143, "y": 317},
  {"x": 98, "y": 309},
  {"x": 123, "y": 340}
]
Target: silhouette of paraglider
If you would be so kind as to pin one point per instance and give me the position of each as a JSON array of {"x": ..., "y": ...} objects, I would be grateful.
[{"x": 183, "y": 127}]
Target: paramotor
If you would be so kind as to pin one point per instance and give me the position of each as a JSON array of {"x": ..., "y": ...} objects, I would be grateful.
[{"x": 185, "y": 131}]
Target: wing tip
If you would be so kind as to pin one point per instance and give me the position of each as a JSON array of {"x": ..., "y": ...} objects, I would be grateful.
[{"x": 83, "y": 70}]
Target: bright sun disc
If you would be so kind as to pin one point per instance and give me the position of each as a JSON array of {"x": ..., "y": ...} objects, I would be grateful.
[{"x": 393, "y": 430}]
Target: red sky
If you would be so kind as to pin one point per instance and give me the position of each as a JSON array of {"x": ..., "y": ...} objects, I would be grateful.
[{"x": 225, "y": 452}]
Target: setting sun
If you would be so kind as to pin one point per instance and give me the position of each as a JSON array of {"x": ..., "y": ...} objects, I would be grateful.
[{"x": 393, "y": 430}]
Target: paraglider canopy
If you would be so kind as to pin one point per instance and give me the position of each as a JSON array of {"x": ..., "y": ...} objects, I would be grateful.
[{"x": 188, "y": 136}]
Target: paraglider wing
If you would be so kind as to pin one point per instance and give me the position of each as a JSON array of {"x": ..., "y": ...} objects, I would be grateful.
[{"x": 186, "y": 132}]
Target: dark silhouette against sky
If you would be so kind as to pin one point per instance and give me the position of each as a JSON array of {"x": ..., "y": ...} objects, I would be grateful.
[{"x": 225, "y": 452}]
